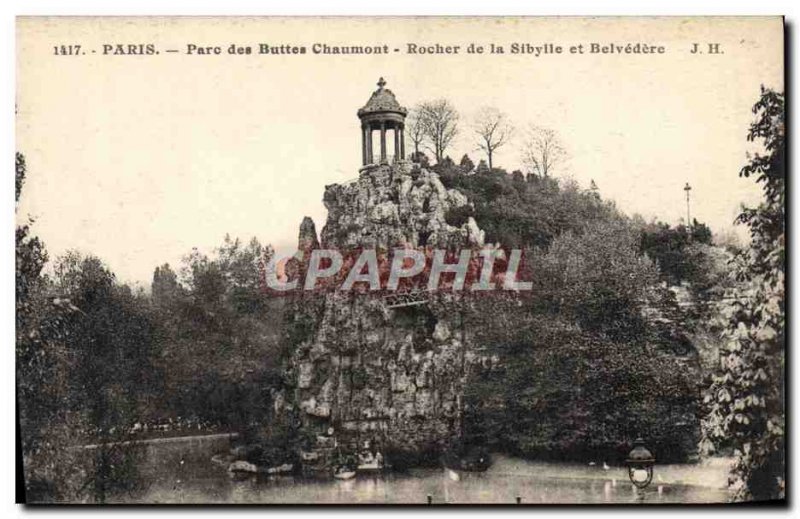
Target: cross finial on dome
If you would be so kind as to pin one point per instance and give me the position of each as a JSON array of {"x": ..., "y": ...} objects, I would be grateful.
[{"x": 381, "y": 83}]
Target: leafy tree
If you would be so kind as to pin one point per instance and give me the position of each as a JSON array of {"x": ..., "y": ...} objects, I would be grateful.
[
  {"x": 596, "y": 277},
  {"x": 113, "y": 376},
  {"x": 420, "y": 158},
  {"x": 219, "y": 334},
  {"x": 555, "y": 390},
  {"x": 165, "y": 288},
  {"x": 83, "y": 368},
  {"x": 700, "y": 232},
  {"x": 466, "y": 164},
  {"x": 675, "y": 250},
  {"x": 42, "y": 365},
  {"x": 746, "y": 399}
]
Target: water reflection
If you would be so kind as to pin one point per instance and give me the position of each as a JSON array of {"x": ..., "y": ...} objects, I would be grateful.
[{"x": 184, "y": 473}]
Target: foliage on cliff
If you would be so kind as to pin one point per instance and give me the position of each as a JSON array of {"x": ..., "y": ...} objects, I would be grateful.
[
  {"x": 524, "y": 213},
  {"x": 583, "y": 369}
]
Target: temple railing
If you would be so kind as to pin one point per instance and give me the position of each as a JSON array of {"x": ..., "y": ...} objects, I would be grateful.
[{"x": 390, "y": 159}]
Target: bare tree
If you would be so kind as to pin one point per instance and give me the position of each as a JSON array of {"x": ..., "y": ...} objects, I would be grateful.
[
  {"x": 439, "y": 121},
  {"x": 543, "y": 152},
  {"x": 416, "y": 130},
  {"x": 493, "y": 129}
]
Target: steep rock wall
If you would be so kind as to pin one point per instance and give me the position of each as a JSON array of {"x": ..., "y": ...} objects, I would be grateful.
[{"x": 366, "y": 375}]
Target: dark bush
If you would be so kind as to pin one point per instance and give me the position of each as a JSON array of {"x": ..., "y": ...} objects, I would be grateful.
[
  {"x": 458, "y": 216},
  {"x": 560, "y": 393}
]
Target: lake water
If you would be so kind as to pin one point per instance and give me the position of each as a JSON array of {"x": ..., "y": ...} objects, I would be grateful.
[{"x": 182, "y": 472}]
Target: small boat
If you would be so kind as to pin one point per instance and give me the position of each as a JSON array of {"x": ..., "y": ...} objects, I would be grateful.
[
  {"x": 345, "y": 466},
  {"x": 344, "y": 473},
  {"x": 281, "y": 469},
  {"x": 453, "y": 474},
  {"x": 367, "y": 462},
  {"x": 242, "y": 466}
]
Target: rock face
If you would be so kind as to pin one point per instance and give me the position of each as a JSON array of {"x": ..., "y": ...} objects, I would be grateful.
[
  {"x": 390, "y": 206},
  {"x": 363, "y": 374}
]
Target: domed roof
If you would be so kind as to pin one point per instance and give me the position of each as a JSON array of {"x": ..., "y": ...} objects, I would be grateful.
[
  {"x": 382, "y": 100},
  {"x": 640, "y": 453}
]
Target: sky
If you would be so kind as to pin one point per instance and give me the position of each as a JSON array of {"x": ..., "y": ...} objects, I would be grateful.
[{"x": 138, "y": 159}]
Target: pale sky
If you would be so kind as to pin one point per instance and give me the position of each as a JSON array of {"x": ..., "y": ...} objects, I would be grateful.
[{"x": 137, "y": 159}]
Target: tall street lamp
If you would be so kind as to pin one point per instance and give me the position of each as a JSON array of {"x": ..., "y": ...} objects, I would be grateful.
[{"x": 688, "y": 188}]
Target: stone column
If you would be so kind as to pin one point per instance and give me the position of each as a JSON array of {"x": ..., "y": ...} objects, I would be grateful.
[
  {"x": 363, "y": 145},
  {"x": 383, "y": 142},
  {"x": 403, "y": 141},
  {"x": 369, "y": 143},
  {"x": 396, "y": 143}
]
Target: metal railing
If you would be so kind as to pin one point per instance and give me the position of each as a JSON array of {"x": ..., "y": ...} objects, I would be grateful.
[{"x": 412, "y": 297}]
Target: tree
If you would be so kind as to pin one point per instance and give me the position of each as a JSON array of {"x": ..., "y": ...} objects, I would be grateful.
[
  {"x": 42, "y": 367},
  {"x": 597, "y": 277},
  {"x": 416, "y": 129},
  {"x": 746, "y": 399},
  {"x": 543, "y": 153},
  {"x": 580, "y": 370},
  {"x": 675, "y": 249},
  {"x": 701, "y": 233},
  {"x": 493, "y": 130},
  {"x": 561, "y": 392},
  {"x": 220, "y": 332},
  {"x": 84, "y": 352},
  {"x": 165, "y": 287},
  {"x": 439, "y": 120},
  {"x": 581, "y": 366},
  {"x": 466, "y": 164},
  {"x": 113, "y": 376}
]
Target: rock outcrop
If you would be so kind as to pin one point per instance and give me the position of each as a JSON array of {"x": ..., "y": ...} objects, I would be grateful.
[
  {"x": 365, "y": 375},
  {"x": 397, "y": 205}
]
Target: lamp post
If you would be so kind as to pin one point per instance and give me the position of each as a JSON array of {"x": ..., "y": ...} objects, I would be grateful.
[
  {"x": 640, "y": 464},
  {"x": 688, "y": 188}
]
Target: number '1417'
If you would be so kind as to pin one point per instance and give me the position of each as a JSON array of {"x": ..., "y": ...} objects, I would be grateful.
[{"x": 67, "y": 50}]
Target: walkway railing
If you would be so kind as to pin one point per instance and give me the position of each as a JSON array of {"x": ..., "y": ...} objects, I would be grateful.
[{"x": 413, "y": 297}]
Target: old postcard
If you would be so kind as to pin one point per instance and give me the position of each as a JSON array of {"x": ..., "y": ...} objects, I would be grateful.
[{"x": 400, "y": 260}]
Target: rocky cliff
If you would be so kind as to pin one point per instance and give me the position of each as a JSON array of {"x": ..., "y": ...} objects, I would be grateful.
[
  {"x": 364, "y": 374},
  {"x": 391, "y": 206}
]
